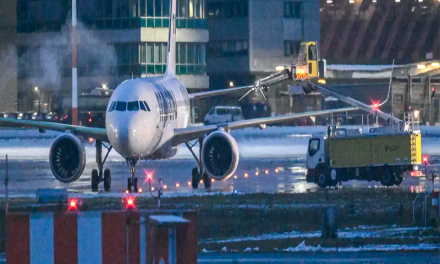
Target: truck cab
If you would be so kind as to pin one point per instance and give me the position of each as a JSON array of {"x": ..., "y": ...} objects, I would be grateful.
[
  {"x": 308, "y": 67},
  {"x": 315, "y": 152}
]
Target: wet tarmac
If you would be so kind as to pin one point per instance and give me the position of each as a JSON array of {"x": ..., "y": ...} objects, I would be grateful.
[{"x": 254, "y": 175}]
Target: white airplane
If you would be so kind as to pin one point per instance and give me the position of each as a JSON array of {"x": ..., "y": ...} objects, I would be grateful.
[{"x": 147, "y": 118}]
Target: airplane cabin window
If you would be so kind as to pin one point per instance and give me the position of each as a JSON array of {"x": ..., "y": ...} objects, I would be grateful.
[
  {"x": 133, "y": 106},
  {"x": 142, "y": 106},
  {"x": 121, "y": 106},
  {"x": 146, "y": 105}
]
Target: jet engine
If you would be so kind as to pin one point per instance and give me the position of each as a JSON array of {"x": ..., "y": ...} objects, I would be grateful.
[
  {"x": 220, "y": 155},
  {"x": 67, "y": 158}
]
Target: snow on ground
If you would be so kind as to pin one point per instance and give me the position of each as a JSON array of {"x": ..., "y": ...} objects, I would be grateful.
[
  {"x": 91, "y": 195},
  {"x": 6, "y": 133},
  {"x": 302, "y": 247},
  {"x": 373, "y": 232},
  {"x": 272, "y": 142}
]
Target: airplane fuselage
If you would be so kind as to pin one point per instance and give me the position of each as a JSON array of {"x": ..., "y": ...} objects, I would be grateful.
[{"x": 142, "y": 115}]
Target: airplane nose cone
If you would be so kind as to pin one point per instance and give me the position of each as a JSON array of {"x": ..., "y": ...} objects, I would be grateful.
[
  {"x": 131, "y": 136},
  {"x": 130, "y": 140}
]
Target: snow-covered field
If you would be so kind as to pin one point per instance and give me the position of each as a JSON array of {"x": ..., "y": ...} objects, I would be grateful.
[
  {"x": 360, "y": 232},
  {"x": 365, "y": 232},
  {"x": 252, "y": 142},
  {"x": 302, "y": 247}
]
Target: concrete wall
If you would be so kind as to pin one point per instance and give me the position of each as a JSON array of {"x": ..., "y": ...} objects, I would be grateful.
[
  {"x": 311, "y": 18},
  {"x": 416, "y": 93},
  {"x": 228, "y": 29},
  {"x": 268, "y": 29},
  {"x": 8, "y": 56},
  {"x": 266, "y": 35}
]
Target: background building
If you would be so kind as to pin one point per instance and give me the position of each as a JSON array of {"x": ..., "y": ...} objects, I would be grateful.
[
  {"x": 248, "y": 39},
  {"x": 8, "y": 56},
  {"x": 378, "y": 31},
  {"x": 118, "y": 39},
  {"x": 234, "y": 42}
]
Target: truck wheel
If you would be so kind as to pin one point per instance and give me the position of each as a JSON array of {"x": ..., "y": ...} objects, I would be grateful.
[
  {"x": 398, "y": 180},
  {"x": 333, "y": 177},
  {"x": 398, "y": 177},
  {"x": 387, "y": 178},
  {"x": 323, "y": 177}
]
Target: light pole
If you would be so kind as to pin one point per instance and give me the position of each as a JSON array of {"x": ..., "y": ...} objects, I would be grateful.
[
  {"x": 74, "y": 66},
  {"x": 38, "y": 97}
]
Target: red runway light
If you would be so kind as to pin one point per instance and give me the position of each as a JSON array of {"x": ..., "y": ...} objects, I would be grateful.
[
  {"x": 73, "y": 204},
  {"x": 130, "y": 202},
  {"x": 149, "y": 176}
]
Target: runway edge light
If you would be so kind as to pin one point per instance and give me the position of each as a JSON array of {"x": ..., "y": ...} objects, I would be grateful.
[
  {"x": 130, "y": 203},
  {"x": 73, "y": 205}
]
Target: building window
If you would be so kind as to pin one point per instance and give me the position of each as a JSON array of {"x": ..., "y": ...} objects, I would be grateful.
[
  {"x": 291, "y": 48},
  {"x": 227, "y": 9},
  {"x": 292, "y": 9},
  {"x": 190, "y": 58},
  {"x": 22, "y": 10},
  {"x": 191, "y": 8},
  {"x": 120, "y": 14},
  {"x": 228, "y": 48}
]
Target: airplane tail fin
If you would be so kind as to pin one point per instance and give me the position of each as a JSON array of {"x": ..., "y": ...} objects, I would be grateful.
[{"x": 171, "y": 58}]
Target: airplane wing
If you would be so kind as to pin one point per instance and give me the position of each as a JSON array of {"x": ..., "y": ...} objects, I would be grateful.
[
  {"x": 219, "y": 92},
  {"x": 87, "y": 132},
  {"x": 194, "y": 132}
]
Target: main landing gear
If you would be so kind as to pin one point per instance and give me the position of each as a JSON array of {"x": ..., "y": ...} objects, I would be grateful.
[
  {"x": 198, "y": 173},
  {"x": 132, "y": 183},
  {"x": 101, "y": 175}
]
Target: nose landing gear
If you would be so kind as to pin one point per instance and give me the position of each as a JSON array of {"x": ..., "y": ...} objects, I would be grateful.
[
  {"x": 132, "y": 183},
  {"x": 101, "y": 175}
]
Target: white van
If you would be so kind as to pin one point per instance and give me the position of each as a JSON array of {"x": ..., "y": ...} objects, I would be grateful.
[{"x": 223, "y": 114}]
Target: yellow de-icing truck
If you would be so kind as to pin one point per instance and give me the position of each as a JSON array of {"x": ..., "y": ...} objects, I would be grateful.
[
  {"x": 309, "y": 66},
  {"x": 342, "y": 156}
]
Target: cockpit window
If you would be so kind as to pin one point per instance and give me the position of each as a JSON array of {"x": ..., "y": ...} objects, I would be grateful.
[
  {"x": 146, "y": 105},
  {"x": 121, "y": 106},
  {"x": 112, "y": 107},
  {"x": 142, "y": 105},
  {"x": 133, "y": 106}
]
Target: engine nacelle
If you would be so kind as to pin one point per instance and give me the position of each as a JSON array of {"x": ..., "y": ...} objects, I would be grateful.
[
  {"x": 67, "y": 158},
  {"x": 220, "y": 155}
]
